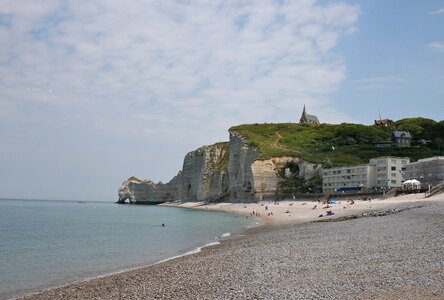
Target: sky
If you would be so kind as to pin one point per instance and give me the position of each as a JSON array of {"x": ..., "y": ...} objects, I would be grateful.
[{"x": 93, "y": 92}]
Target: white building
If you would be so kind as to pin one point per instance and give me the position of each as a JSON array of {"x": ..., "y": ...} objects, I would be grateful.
[
  {"x": 380, "y": 172},
  {"x": 389, "y": 170},
  {"x": 428, "y": 170},
  {"x": 349, "y": 178}
]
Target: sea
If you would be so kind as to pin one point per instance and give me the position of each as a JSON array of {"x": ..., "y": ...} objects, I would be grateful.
[{"x": 45, "y": 244}]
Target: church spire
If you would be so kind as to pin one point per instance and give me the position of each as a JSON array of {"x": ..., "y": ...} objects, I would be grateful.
[{"x": 308, "y": 119}]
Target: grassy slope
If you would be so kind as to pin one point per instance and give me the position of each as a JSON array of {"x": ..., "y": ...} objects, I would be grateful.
[{"x": 352, "y": 143}]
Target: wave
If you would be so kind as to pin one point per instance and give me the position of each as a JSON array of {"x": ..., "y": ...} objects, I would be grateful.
[{"x": 194, "y": 251}]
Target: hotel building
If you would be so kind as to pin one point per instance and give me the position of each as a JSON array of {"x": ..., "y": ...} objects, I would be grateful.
[
  {"x": 380, "y": 172},
  {"x": 428, "y": 170},
  {"x": 389, "y": 170},
  {"x": 348, "y": 178}
]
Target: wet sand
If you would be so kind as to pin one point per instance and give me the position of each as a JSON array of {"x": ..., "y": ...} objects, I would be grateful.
[{"x": 398, "y": 255}]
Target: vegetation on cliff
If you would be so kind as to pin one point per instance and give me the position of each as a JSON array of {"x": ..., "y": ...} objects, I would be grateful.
[
  {"x": 342, "y": 144},
  {"x": 221, "y": 162}
]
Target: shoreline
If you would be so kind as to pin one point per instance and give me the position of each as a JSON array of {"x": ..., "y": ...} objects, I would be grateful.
[
  {"x": 284, "y": 212},
  {"x": 217, "y": 254},
  {"x": 195, "y": 250},
  {"x": 116, "y": 273}
]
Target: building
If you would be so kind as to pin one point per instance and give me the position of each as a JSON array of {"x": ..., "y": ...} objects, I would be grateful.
[
  {"x": 308, "y": 119},
  {"x": 349, "y": 178},
  {"x": 384, "y": 122},
  {"x": 384, "y": 171},
  {"x": 389, "y": 170},
  {"x": 401, "y": 139},
  {"x": 384, "y": 144},
  {"x": 428, "y": 170}
]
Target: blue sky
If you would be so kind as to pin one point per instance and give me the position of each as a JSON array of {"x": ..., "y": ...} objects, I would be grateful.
[{"x": 92, "y": 92}]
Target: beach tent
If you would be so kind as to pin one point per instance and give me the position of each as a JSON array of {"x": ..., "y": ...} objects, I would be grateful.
[
  {"x": 411, "y": 184},
  {"x": 411, "y": 181}
]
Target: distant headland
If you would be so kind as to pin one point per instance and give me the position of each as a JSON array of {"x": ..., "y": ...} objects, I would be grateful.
[{"x": 268, "y": 161}]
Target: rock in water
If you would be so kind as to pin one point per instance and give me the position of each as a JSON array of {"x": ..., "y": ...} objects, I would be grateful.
[{"x": 148, "y": 192}]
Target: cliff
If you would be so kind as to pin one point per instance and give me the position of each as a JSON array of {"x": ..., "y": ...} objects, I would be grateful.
[
  {"x": 263, "y": 160},
  {"x": 147, "y": 192},
  {"x": 228, "y": 171},
  {"x": 204, "y": 174}
]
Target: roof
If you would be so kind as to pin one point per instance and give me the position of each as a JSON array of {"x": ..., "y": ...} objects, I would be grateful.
[
  {"x": 411, "y": 181},
  {"x": 399, "y": 134},
  {"x": 346, "y": 167},
  {"x": 430, "y": 158},
  {"x": 312, "y": 118},
  {"x": 390, "y": 157},
  {"x": 383, "y": 122}
]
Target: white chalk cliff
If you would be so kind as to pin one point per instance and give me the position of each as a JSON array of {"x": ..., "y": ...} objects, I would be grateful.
[{"x": 229, "y": 171}]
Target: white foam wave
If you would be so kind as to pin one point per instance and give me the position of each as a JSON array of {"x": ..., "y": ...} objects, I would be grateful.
[{"x": 194, "y": 251}]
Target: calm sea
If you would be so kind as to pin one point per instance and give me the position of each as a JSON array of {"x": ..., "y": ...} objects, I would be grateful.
[{"x": 50, "y": 243}]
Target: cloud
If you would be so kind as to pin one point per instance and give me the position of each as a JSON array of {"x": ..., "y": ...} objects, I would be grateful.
[
  {"x": 437, "y": 12},
  {"x": 172, "y": 64},
  {"x": 437, "y": 46},
  {"x": 379, "y": 82}
]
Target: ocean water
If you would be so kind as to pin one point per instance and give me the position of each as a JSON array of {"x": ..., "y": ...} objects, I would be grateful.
[{"x": 46, "y": 244}]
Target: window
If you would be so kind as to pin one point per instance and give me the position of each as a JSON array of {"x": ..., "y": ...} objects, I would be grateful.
[
  {"x": 403, "y": 161},
  {"x": 393, "y": 181},
  {"x": 393, "y": 161},
  {"x": 393, "y": 174},
  {"x": 393, "y": 168}
]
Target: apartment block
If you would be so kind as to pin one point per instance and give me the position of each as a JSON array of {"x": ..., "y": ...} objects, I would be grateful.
[
  {"x": 384, "y": 171},
  {"x": 389, "y": 170},
  {"x": 349, "y": 178},
  {"x": 428, "y": 170}
]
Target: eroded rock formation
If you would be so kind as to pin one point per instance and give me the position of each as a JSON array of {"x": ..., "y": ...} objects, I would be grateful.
[
  {"x": 228, "y": 171},
  {"x": 147, "y": 192},
  {"x": 204, "y": 173}
]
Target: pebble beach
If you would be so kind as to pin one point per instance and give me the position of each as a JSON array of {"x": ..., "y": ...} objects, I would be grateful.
[{"x": 386, "y": 249}]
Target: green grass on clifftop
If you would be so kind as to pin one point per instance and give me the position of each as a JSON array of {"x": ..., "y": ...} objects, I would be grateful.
[{"x": 341, "y": 144}]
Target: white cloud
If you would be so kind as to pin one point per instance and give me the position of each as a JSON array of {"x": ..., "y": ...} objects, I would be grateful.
[
  {"x": 437, "y": 12},
  {"x": 173, "y": 64},
  {"x": 436, "y": 46}
]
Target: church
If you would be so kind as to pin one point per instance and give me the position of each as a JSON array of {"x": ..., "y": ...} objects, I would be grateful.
[{"x": 308, "y": 119}]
